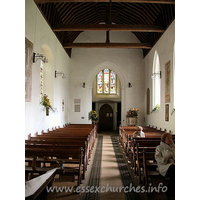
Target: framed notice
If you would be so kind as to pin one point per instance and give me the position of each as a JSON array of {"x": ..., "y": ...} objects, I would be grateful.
[
  {"x": 28, "y": 69},
  {"x": 167, "y": 112},
  {"x": 167, "y": 82}
]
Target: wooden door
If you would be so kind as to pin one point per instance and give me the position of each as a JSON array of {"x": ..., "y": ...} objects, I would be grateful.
[{"x": 106, "y": 118}]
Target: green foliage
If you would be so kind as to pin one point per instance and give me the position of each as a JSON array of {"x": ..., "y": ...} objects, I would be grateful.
[
  {"x": 132, "y": 112},
  {"x": 93, "y": 115}
]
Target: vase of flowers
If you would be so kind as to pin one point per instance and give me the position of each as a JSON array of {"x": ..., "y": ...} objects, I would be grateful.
[
  {"x": 46, "y": 103},
  {"x": 93, "y": 116},
  {"x": 131, "y": 116},
  {"x": 47, "y": 111}
]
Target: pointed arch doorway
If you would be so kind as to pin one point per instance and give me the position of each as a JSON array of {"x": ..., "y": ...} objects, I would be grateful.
[{"x": 106, "y": 118}]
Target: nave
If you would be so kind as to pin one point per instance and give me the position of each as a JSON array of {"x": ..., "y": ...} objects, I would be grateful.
[{"x": 108, "y": 169}]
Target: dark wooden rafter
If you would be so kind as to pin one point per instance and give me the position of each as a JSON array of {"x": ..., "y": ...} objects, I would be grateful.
[
  {"x": 144, "y": 13},
  {"x": 147, "y": 19},
  {"x": 108, "y": 13},
  {"x": 133, "y": 13},
  {"x": 82, "y": 13},
  {"x": 118, "y": 12},
  {"x": 108, "y": 21},
  {"x": 68, "y": 13},
  {"x": 108, "y": 27},
  {"x": 109, "y": 45},
  {"x": 56, "y": 20},
  {"x": 107, "y": 1}
]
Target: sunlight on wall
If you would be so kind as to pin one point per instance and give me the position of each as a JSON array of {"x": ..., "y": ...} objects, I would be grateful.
[{"x": 48, "y": 75}]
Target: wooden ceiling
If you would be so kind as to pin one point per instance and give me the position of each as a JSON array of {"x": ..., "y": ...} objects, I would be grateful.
[{"x": 147, "y": 19}]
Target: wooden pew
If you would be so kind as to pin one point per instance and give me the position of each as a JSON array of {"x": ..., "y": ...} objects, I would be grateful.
[
  {"x": 131, "y": 149},
  {"x": 36, "y": 188},
  {"x": 149, "y": 132},
  {"x": 139, "y": 158},
  {"x": 81, "y": 126},
  {"x": 134, "y": 155},
  {"x": 67, "y": 140},
  {"x": 71, "y": 137},
  {"x": 67, "y": 156},
  {"x": 57, "y": 140},
  {"x": 72, "y": 133},
  {"x": 148, "y": 147},
  {"x": 150, "y": 171},
  {"x": 141, "y": 152},
  {"x": 127, "y": 139},
  {"x": 57, "y": 145}
]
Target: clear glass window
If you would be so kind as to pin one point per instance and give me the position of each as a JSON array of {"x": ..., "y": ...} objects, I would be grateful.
[{"x": 156, "y": 81}]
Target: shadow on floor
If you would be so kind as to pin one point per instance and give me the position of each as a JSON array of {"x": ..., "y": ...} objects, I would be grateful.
[{"x": 109, "y": 132}]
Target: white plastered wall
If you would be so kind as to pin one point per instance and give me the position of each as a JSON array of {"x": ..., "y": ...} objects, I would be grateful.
[
  {"x": 86, "y": 63},
  {"x": 83, "y": 67},
  {"x": 165, "y": 49},
  {"x": 45, "y": 41}
]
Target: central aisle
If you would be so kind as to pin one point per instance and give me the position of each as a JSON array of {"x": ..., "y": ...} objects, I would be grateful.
[
  {"x": 109, "y": 172},
  {"x": 110, "y": 176}
]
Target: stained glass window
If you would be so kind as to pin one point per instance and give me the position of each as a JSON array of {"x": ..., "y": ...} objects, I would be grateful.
[
  {"x": 106, "y": 82},
  {"x": 100, "y": 82},
  {"x": 112, "y": 82}
]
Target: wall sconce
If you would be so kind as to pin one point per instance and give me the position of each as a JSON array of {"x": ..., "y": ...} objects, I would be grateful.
[
  {"x": 59, "y": 74},
  {"x": 129, "y": 85},
  {"x": 37, "y": 56},
  {"x": 83, "y": 85},
  {"x": 156, "y": 74}
]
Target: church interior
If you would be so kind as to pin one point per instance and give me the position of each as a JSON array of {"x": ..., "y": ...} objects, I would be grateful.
[
  {"x": 76, "y": 54},
  {"x": 94, "y": 71}
]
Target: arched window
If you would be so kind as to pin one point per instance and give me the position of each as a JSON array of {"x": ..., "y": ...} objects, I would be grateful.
[
  {"x": 156, "y": 81},
  {"x": 106, "y": 82},
  {"x": 47, "y": 70}
]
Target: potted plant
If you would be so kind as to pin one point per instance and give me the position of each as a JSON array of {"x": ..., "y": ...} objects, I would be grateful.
[
  {"x": 45, "y": 102},
  {"x": 93, "y": 116},
  {"x": 131, "y": 116}
]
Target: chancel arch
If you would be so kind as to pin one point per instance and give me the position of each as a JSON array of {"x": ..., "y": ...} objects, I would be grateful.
[{"x": 114, "y": 99}]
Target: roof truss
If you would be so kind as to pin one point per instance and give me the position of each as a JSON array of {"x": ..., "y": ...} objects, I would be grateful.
[
  {"x": 109, "y": 27},
  {"x": 106, "y": 1}
]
